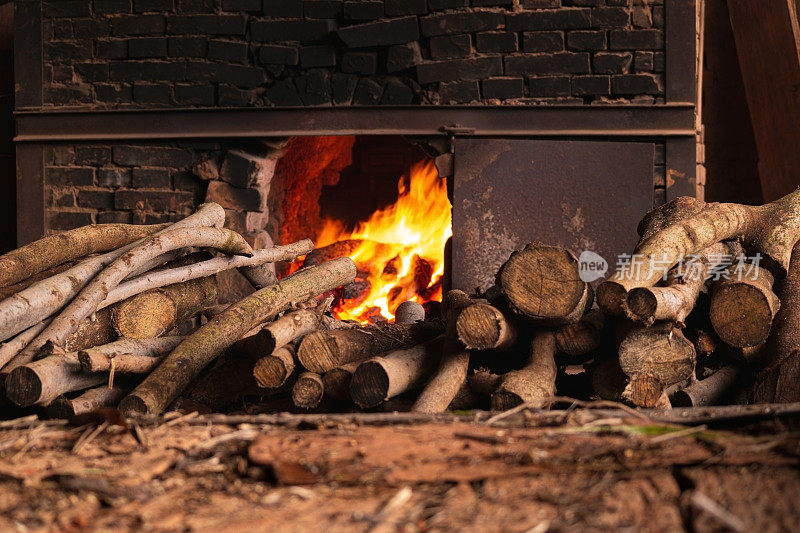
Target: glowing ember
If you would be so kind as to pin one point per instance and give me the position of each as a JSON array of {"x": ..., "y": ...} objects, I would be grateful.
[{"x": 402, "y": 254}]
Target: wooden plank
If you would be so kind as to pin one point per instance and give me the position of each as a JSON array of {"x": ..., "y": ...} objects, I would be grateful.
[{"x": 766, "y": 35}]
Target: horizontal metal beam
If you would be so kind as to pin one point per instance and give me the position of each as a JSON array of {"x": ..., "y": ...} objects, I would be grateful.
[{"x": 545, "y": 121}]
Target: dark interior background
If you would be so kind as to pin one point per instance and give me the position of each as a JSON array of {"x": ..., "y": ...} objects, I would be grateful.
[{"x": 8, "y": 219}]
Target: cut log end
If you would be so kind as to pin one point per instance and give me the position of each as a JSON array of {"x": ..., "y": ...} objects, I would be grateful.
[
  {"x": 505, "y": 400},
  {"x": 145, "y": 316},
  {"x": 409, "y": 312},
  {"x": 742, "y": 314},
  {"x": 661, "y": 351},
  {"x": 640, "y": 305},
  {"x": 610, "y": 297},
  {"x": 483, "y": 327},
  {"x": 645, "y": 390},
  {"x": 133, "y": 404},
  {"x": 273, "y": 370},
  {"x": 370, "y": 384},
  {"x": 308, "y": 390},
  {"x": 23, "y": 386}
]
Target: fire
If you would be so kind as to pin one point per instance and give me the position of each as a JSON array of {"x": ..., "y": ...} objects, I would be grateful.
[{"x": 402, "y": 253}]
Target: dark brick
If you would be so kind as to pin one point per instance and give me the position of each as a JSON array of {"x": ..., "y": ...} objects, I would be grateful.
[
  {"x": 633, "y": 84},
  {"x": 636, "y": 39},
  {"x": 586, "y": 40},
  {"x": 450, "y": 46},
  {"x": 113, "y": 93},
  {"x": 62, "y": 29},
  {"x": 68, "y": 94},
  {"x": 403, "y": 56},
  {"x": 313, "y": 87},
  {"x": 447, "y": 4},
  {"x": 113, "y": 177},
  {"x": 146, "y": 217},
  {"x": 610, "y": 17},
  {"x": 459, "y": 92},
  {"x": 92, "y": 155},
  {"x": 114, "y": 217},
  {"x": 405, "y": 7},
  {"x": 144, "y": 6},
  {"x": 589, "y": 3},
  {"x": 503, "y": 88},
  {"x": 548, "y": 86},
  {"x": 187, "y": 46},
  {"x": 368, "y": 92},
  {"x": 460, "y": 23},
  {"x": 360, "y": 62},
  {"x": 138, "y": 25},
  {"x": 194, "y": 94},
  {"x": 59, "y": 73},
  {"x": 65, "y": 50},
  {"x": 460, "y": 69},
  {"x": 643, "y": 61},
  {"x": 194, "y": 6},
  {"x": 363, "y": 10},
  {"x": 277, "y": 54},
  {"x": 658, "y": 61},
  {"x": 93, "y": 72},
  {"x": 232, "y": 96},
  {"x": 490, "y": 3},
  {"x": 323, "y": 55},
  {"x": 552, "y": 19},
  {"x": 591, "y": 85},
  {"x": 152, "y": 156},
  {"x": 144, "y": 200},
  {"x": 241, "y": 5},
  {"x": 187, "y": 181},
  {"x": 291, "y": 30},
  {"x": 91, "y": 28},
  {"x": 146, "y": 47},
  {"x": 96, "y": 198},
  {"x": 231, "y": 197},
  {"x": 543, "y": 41},
  {"x": 60, "y": 197},
  {"x": 110, "y": 7},
  {"x": 496, "y": 41},
  {"x": 61, "y": 220},
  {"x": 283, "y": 8},
  {"x": 642, "y": 16},
  {"x": 395, "y": 92},
  {"x": 154, "y": 178},
  {"x": 152, "y": 93},
  {"x": 112, "y": 48},
  {"x": 322, "y": 9},
  {"x": 343, "y": 86},
  {"x": 147, "y": 70},
  {"x": 612, "y": 62},
  {"x": 76, "y": 176},
  {"x": 60, "y": 155},
  {"x": 65, "y": 8},
  {"x": 207, "y": 25},
  {"x": 284, "y": 93},
  {"x": 557, "y": 63},
  {"x": 658, "y": 16},
  {"x": 385, "y": 32},
  {"x": 233, "y": 51},
  {"x": 239, "y": 75}
]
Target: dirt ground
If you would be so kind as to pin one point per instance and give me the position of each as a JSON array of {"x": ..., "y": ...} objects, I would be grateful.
[{"x": 574, "y": 470}]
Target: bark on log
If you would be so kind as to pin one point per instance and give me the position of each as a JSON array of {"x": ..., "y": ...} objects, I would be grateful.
[
  {"x": 409, "y": 312},
  {"x": 321, "y": 351},
  {"x": 65, "y": 408},
  {"x": 337, "y": 382},
  {"x": 11, "y": 290},
  {"x": 273, "y": 370},
  {"x": 485, "y": 327},
  {"x": 646, "y": 390},
  {"x": 203, "y": 346},
  {"x": 12, "y": 347},
  {"x": 709, "y": 391},
  {"x": 743, "y": 306},
  {"x": 380, "y": 378},
  {"x": 772, "y": 229},
  {"x": 154, "y": 312},
  {"x": 484, "y": 382},
  {"x": 308, "y": 390},
  {"x": 136, "y": 356},
  {"x": 290, "y": 327},
  {"x": 451, "y": 373},
  {"x": 535, "y": 383},
  {"x": 582, "y": 337},
  {"x": 661, "y": 351},
  {"x": 542, "y": 283},
  {"x": 42, "y": 381}
]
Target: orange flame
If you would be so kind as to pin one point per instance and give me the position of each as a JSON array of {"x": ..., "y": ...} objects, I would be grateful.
[{"x": 403, "y": 248}]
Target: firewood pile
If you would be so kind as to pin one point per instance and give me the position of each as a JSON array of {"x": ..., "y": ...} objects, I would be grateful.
[{"x": 702, "y": 312}]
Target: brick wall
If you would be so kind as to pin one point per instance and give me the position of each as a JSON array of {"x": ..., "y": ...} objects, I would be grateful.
[{"x": 231, "y": 53}]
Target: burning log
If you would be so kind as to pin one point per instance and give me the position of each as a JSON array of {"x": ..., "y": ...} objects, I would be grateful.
[
  {"x": 134, "y": 356},
  {"x": 535, "y": 383},
  {"x": 409, "y": 312},
  {"x": 708, "y": 391},
  {"x": 321, "y": 351},
  {"x": 452, "y": 372},
  {"x": 542, "y": 283},
  {"x": 394, "y": 373},
  {"x": 65, "y": 408},
  {"x": 154, "y": 312},
  {"x": 485, "y": 327},
  {"x": 42, "y": 381},
  {"x": 582, "y": 337},
  {"x": 204, "y": 345},
  {"x": 337, "y": 382},
  {"x": 308, "y": 390},
  {"x": 273, "y": 370},
  {"x": 743, "y": 306}
]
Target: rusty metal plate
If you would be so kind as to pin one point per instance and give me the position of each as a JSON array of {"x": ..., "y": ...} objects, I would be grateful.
[{"x": 584, "y": 195}]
